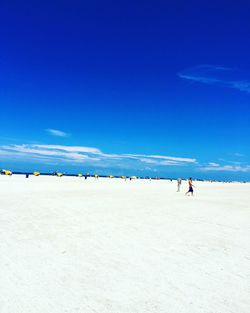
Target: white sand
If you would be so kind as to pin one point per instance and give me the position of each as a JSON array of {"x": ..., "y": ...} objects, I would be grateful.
[{"x": 110, "y": 246}]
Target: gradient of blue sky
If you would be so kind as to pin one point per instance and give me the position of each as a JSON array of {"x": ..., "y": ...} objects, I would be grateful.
[{"x": 125, "y": 78}]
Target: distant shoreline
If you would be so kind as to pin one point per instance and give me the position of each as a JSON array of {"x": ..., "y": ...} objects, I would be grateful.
[{"x": 124, "y": 176}]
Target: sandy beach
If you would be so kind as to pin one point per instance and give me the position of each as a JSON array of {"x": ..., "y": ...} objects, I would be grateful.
[{"x": 113, "y": 246}]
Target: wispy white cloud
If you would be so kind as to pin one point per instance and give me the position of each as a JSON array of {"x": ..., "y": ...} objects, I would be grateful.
[
  {"x": 226, "y": 168},
  {"x": 161, "y": 158},
  {"x": 218, "y": 75},
  {"x": 161, "y": 162},
  {"x": 68, "y": 148},
  {"x": 147, "y": 160},
  {"x": 236, "y": 163},
  {"x": 238, "y": 154},
  {"x": 56, "y": 132},
  {"x": 90, "y": 155},
  {"x": 177, "y": 159},
  {"x": 33, "y": 151},
  {"x": 213, "y": 164}
]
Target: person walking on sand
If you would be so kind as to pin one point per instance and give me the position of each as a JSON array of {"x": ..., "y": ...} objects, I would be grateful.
[
  {"x": 178, "y": 184},
  {"x": 190, "y": 185}
]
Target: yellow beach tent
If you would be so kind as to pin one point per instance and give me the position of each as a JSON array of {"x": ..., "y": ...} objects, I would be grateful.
[{"x": 7, "y": 172}]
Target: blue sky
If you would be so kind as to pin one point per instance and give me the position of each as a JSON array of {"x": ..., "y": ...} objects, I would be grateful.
[{"x": 153, "y": 88}]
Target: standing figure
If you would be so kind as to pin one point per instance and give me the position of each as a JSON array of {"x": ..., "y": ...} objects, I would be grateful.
[
  {"x": 178, "y": 184},
  {"x": 190, "y": 185}
]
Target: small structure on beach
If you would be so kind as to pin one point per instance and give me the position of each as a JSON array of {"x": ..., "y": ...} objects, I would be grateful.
[{"x": 6, "y": 172}]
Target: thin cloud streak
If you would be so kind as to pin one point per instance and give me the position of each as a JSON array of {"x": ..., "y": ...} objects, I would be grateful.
[
  {"x": 163, "y": 157},
  {"x": 56, "y": 132},
  {"x": 177, "y": 159},
  {"x": 69, "y": 148},
  {"x": 238, "y": 154},
  {"x": 212, "y": 164},
  {"x": 226, "y": 168},
  {"x": 218, "y": 75}
]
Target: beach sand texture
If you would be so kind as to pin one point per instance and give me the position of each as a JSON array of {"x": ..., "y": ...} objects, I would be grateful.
[{"x": 113, "y": 246}]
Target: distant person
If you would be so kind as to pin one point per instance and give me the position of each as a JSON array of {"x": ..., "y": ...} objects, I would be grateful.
[
  {"x": 178, "y": 184},
  {"x": 190, "y": 186}
]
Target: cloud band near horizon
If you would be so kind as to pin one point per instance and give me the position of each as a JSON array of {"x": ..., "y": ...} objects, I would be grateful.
[{"x": 89, "y": 155}]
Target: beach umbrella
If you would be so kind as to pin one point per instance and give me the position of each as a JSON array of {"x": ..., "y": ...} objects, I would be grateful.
[{"x": 7, "y": 172}]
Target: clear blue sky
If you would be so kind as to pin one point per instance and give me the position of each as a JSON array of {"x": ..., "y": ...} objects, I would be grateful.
[{"x": 159, "y": 88}]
